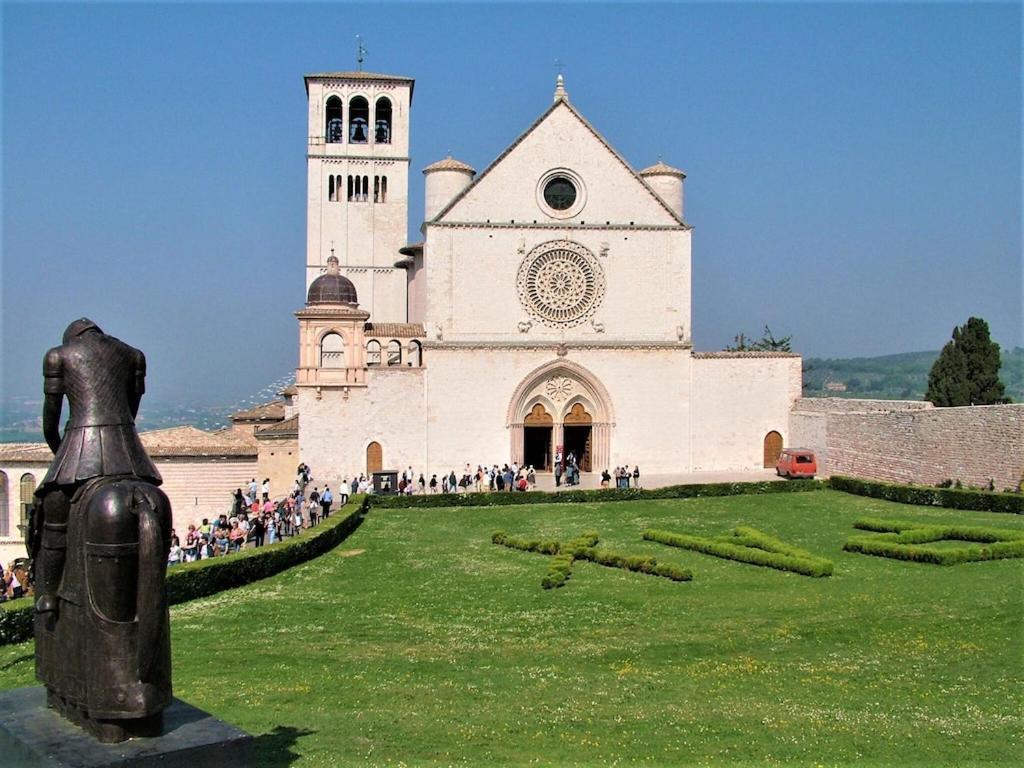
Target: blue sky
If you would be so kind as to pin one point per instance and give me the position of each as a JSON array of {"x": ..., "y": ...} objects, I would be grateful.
[{"x": 854, "y": 170}]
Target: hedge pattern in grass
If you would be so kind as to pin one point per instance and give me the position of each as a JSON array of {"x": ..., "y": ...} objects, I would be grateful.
[
  {"x": 514, "y": 498},
  {"x": 907, "y": 540},
  {"x": 952, "y": 498},
  {"x": 584, "y": 547},
  {"x": 207, "y": 577},
  {"x": 748, "y": 545}
]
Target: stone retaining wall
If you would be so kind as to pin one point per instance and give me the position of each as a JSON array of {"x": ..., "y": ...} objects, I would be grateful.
[{"x": 907, "y": 442}]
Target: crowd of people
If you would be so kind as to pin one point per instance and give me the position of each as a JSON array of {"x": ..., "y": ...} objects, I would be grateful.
[
  {"x": 256, "y": 519},
  {"x": 14, "y": 581}
]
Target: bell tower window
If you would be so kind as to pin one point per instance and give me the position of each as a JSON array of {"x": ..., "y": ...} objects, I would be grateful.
[
  {"x": 332, "y": 351},
  {"x": 382, "y": 127},
  {"x": 334, "y": 129},
  {"x": 358, "y": 120}
]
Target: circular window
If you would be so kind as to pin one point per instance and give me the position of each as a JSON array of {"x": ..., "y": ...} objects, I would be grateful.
[
  {"x": 560, "y": 193},
  {"x": 560, "y": 283}
]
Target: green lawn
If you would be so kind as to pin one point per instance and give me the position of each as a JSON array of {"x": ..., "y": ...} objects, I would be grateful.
[{"x": 435, "y": 646}]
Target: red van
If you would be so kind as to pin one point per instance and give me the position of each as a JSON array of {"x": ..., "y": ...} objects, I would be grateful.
[{"x": 797, "y": 462}]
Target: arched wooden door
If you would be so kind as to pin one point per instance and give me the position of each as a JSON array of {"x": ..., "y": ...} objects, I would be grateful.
[
  {"x": 374, "y": 458},
  {"x": 772, "y": 449}
]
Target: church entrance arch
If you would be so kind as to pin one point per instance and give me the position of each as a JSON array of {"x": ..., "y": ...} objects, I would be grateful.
[
  {"x": 538, "y": 431},
  {"x": 560, "y": 407},
  {"x": 577, "y": 427}
]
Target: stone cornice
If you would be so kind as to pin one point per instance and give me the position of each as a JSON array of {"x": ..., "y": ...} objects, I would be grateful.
[
  {"x": 561, "y": 347},
  {"x": 362, "y": 158},
  {"x": 561, "y": 226}
]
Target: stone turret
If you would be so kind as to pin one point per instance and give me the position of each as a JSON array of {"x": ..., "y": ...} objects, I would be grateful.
[
  {"x": 668, "y": 183},
  {"x": 445, "y": 180}
]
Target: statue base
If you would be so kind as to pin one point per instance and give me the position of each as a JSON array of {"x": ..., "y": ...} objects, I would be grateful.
[{"x": 34, "y": 736}]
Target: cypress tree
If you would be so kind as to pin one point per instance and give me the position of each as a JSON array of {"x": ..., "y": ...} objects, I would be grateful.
[
  {"x": 947, "y": 380},
  {"x": 982, "y": 355},
  {"x": 967, "y": 369}
]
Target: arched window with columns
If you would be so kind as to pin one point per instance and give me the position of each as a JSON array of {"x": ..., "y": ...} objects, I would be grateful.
[
  {"x": 394, "y": 352},
  {"x": 373, "y": 352},
  {"x": 334, "y": 129},
  {"x": 358, "y": 120},
  {"x": 332, "y": 351},
  {"x": 382, "y": 120}
]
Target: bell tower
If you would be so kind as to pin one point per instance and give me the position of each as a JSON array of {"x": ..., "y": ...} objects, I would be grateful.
[{"x": 358, "y": 183}]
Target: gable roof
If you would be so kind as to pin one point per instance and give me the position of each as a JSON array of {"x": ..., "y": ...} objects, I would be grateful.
[{"x": 522, "y": 137}]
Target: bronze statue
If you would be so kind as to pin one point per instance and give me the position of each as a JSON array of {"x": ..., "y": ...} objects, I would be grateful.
[{"x": 99, "y": 537}]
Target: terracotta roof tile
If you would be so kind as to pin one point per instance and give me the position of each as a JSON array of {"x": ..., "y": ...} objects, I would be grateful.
[
  {"x": 662, "y": 169},
  {"x": 284, "y": 428},
  {"x": 272, "y": 411},
  {"x": 159, "y": 443},
  {"x": 449, "y": 164},
  {"x": 396, "y": 330}
]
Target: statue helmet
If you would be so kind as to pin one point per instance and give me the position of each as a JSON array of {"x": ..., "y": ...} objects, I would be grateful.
[{"x": 78, "y": 327}]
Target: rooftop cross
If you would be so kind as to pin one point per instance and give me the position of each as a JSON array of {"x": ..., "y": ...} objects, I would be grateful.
[{"x": 360, "y": 52}]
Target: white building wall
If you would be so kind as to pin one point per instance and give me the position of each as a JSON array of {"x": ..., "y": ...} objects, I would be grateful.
[
  {"x": 469, "y": 393},
  {"x": 335, "y": 429},
  {"x": 471, "y": 273},
  {"x": 736, "y": 402}
]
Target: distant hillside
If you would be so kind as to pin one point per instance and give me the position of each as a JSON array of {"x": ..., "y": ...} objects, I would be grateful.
[{"x": 893, "y": 377}]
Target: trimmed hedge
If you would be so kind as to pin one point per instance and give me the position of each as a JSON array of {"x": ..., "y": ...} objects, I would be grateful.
[
  {"x": 514, "y": 498},
  {"x": 903, "y": 540},
  {"x": 585, "y": 548},
  {"x": 925, "y": 496},
  {"x": 206, "y": 577},
  {"x": 748, "y": 545}
]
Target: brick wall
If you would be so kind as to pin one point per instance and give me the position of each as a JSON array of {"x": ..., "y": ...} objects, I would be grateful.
[{"x": 908, "y": 442}]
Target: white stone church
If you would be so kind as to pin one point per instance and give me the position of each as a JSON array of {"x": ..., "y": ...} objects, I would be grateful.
[{"x": 547, "y": 308}]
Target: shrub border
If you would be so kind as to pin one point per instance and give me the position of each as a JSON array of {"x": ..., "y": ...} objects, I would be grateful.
[
  {"x": 748, "y": 545},
  {"x": 515, "y": 498},
  {"x": 584, "y": 547},
  {"x": 925, "y": 496},
  {"x": 907, "y": 540},
  {"x": 206, "y": 577}
]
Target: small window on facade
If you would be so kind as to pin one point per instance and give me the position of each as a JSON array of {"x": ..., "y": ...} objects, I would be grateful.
[
  {"x": 332, "y": 193},
  {"x": 366, "y": 188},
  {"x": 351, "y": 190},
  {"x": 373, "y": 352},
  {"x": 27, "y": 488},
  {"x": 382, "y": 130},
  {"x": 376, "y": 189},
  {"x": 358, "y": 120},
  {"x": 383, "y": 189},
  {"x": 335, "y": 131},
  {"x": 332, "y": 351},
  {"x": 415, "y": 354},
  {"x": 394, "y": 352}
]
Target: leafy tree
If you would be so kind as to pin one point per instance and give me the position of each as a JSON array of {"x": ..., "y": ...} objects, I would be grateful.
[{"x": 967, "y": 370}]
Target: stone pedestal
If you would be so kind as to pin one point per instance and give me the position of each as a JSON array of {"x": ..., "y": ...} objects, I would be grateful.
[{"x": 33, "y": 736}]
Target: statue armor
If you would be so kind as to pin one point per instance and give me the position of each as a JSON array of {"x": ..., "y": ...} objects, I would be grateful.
[{"x": 99, "y": 538}]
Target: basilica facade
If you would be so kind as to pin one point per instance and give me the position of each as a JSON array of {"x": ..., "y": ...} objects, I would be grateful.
[{"x": 547, "y": 308}]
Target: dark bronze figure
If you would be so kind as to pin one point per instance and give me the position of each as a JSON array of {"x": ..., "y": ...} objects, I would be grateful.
[{"x": 99, "y": 538}]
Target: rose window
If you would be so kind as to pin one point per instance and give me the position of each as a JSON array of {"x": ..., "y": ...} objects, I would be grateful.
[{"x": 560, "y": 283}]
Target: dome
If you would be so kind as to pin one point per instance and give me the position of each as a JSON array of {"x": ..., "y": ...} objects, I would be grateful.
[{"x": 332, "y": 287}]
